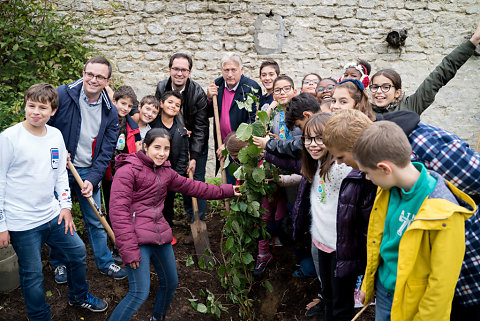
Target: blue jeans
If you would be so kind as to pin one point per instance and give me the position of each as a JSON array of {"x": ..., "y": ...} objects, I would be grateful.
[
  {"x": 163, "y": 261},
  {"x": 70, "y": 249},
  {"x": 383, "y": 305},
  {"x": 95, "y": 231},
  {"x": 199, "y": 175}
]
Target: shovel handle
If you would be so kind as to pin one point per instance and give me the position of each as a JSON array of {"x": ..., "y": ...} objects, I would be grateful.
[
  {"x": 92, "y": 202},
  {"x": 194, "y": 202}
]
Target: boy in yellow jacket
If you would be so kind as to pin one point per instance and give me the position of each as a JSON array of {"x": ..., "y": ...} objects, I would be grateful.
[{"x": 416, "y": 237}]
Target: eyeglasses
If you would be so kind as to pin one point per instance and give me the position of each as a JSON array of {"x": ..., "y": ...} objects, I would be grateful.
[
  {"x": 322, "y": 89},
  {"x": 182, "y": 70},
  {"x": 308, "y": 140},
  {"x": 89, "y": 75},
  {"x": 286, "y": 89},
  {"x": 384, "y": 87},
  {"x": 310, "y": 82}
]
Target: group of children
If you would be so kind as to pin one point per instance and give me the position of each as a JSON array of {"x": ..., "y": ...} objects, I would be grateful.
[{"x": 377, "y": 192}]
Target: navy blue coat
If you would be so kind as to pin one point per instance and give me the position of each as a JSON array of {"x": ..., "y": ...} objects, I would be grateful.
[{"x": 68, "y": 120}]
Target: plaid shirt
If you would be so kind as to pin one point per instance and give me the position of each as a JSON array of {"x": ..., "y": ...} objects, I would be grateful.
[{"x": 452, "y": 158}]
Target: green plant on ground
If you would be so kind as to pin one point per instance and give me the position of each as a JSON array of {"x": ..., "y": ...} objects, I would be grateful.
[
  {"x": 36, "y": 45},
  {"x": 77, "y": 218}
]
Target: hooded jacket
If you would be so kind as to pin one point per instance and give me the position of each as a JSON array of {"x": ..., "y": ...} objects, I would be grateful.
[
  {"x": 68, "y": 120},
  {"x": 137, "y": 198},
  {"x": 425, "y": 94},
  {"x": 430, "y": 253}
]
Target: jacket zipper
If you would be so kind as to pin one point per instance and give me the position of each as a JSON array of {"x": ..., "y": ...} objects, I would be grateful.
[{"x": 156, "y": 201}]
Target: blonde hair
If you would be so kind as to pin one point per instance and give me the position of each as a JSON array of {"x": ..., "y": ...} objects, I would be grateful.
[
  {"x": 382, "y": 141},
  {"x": 343, "y": 129}
]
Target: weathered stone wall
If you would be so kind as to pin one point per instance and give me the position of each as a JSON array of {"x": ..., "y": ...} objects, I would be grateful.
[{"x": 302, "y": 35}]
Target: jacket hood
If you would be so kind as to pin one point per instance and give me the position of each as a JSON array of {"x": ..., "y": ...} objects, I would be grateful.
[
  {"x": 407, "y": 120},
  {"x": 137, "y": 159}
]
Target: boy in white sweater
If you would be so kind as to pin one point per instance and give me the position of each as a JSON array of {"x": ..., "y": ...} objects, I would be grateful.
[{"x": 35, "y": 204}]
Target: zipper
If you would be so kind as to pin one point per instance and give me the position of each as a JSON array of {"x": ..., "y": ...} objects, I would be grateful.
[{"x": 156, "y": 201}]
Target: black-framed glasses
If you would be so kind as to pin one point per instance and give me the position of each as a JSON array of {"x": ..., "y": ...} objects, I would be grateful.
[
  {"x": 89, "y": 75},
  {"x": 385, "y": 88},
  {"x": 307, "y": 140},
  {"x": 285, "y": 89},
  {"x": 182, "y": 70},
  {"x": 322, "y": 89},
  {"x": 310, "y": 82}
]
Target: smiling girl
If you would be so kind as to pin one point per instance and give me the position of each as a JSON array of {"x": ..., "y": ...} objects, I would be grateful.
[
  {"x": 350, "y": 94},
  {"x": 386, "y": 86},
  {"x": 141, "y": 231}
]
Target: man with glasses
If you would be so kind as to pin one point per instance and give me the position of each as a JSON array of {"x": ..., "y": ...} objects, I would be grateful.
[
  {"x": 231, "y": 87},
  {"x": 193, "y": 114},
  {"x": 89, "y": 124}
]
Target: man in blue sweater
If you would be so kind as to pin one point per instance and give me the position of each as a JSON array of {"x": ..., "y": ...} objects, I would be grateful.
[{"x": 88, "y": 122}]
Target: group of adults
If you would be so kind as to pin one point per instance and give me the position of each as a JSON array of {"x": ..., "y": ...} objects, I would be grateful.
[{"x": 89, "y": 124}]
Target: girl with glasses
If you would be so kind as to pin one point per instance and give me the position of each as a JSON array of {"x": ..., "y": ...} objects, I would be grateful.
[
  {"x": 386, "y": 85},
  {"x": 325, "y": 89},
  {"x": 309, "y": 83}
]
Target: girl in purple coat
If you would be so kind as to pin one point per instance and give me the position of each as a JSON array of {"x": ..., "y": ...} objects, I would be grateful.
[{"x": 142, "y": 234}]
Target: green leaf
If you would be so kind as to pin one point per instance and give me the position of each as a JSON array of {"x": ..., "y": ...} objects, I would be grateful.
[
  {"x": 48, "y": 293},
  {"x": 258, "y": 174},
  {"x": 243, "y": 155},
  {"x": 236, "y": 227},
  {"x": 201, "y": 308},
  {"x": 227, "y": 161},
  {"x": 15, "y": 47},
  {"x": 247, "y": 258},
  {"x": 268, "y": 285},
  {"x": 236, "y": 281},
  {"x": 243, "y": 206},
  {"x": 189, "y": 261},
  {"x": 258, "y": 129},
  {"x": 202, "y": 293},
  {"x": 201, "y": 263},
  {"x": 244, "y": 131},
  {"x": 263, "y": 117},
  {"x": 230, "y": 242}
]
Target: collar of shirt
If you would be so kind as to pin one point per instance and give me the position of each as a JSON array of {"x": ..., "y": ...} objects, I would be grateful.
[
  {"x": 233, "y": 89},
  {"x": 85, "y": 99},
  {"x": 180, "y": 91}
]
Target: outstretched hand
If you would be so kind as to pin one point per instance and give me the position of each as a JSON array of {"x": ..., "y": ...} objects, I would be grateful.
[
  {"x": 476, "y": 36},
  {"x": 236, "y": 190}
]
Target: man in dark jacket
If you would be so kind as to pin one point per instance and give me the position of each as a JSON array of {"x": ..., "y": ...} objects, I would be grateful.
[
  {"x": 193, "y": 114},
  {"x": 88, "y": 121},
  {"x": 231, "y": 87}
]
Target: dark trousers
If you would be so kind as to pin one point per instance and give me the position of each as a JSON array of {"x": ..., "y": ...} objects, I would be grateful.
[{"x": 337, "y": 292}]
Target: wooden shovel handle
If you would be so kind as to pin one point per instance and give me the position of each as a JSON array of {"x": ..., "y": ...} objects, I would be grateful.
[
  {"x": 194, "y": 201},
  {"x": 92, "y": 202}
]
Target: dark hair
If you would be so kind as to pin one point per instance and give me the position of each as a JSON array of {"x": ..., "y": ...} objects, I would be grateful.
[
  {"x": 283, "y": 77},
  {"x": 99, "y": 60},
  {"x": 297, "y": 105},
  {"x": 366, "y": 65},
  {"x": 312, "y": 73},
  {"x": 309, "y": 165},
  {"x": 270, "y": 63},
  {"x": 329, "y": 78},
  {"x": 359, "y": 96},
  {"x": 171, "y": 93},
  {"x": 150, "y": 99},
  {"x": 154, "y": 133},
  {"x": 125, "y": 92},
  {"x": 44, "y": 93},
  {"x": 180, "y": 55},
  {"x": 392, "y": 75}
]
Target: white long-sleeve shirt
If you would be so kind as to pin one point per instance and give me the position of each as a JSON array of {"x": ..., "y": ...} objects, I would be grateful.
[{"x": 31, "y": 169}]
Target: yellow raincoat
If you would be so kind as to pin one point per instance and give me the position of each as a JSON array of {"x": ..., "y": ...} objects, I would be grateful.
[{"x": 430, "y": 255}]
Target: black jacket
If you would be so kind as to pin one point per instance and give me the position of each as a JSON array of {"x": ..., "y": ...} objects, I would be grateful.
[
  {"x": 179, "y": 152},
  {"x": 194, "y": 112}
]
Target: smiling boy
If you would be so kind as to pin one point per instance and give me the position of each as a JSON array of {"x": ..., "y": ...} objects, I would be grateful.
[{"x": 32, "y": 169}]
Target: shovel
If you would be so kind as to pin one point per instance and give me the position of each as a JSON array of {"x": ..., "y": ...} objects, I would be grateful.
[
  {"x": 94, "y": 205},
  {"x": 199, "y": 232},
  {"x": 219, "y": 140}
]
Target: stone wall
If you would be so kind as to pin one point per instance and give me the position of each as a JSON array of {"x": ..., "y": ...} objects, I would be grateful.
[{"x": 302, "y": 35}]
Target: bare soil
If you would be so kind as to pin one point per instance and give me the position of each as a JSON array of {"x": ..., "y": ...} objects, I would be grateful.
[{"x": 286, "y": 302}]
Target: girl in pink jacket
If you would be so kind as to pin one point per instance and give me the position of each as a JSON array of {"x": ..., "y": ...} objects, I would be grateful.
[{"x": 142, "y": 234}]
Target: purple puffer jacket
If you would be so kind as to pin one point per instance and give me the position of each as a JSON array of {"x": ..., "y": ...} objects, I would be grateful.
[
  {"x": 137, "y": 198},
  {"x": 355, "y": 203}
]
